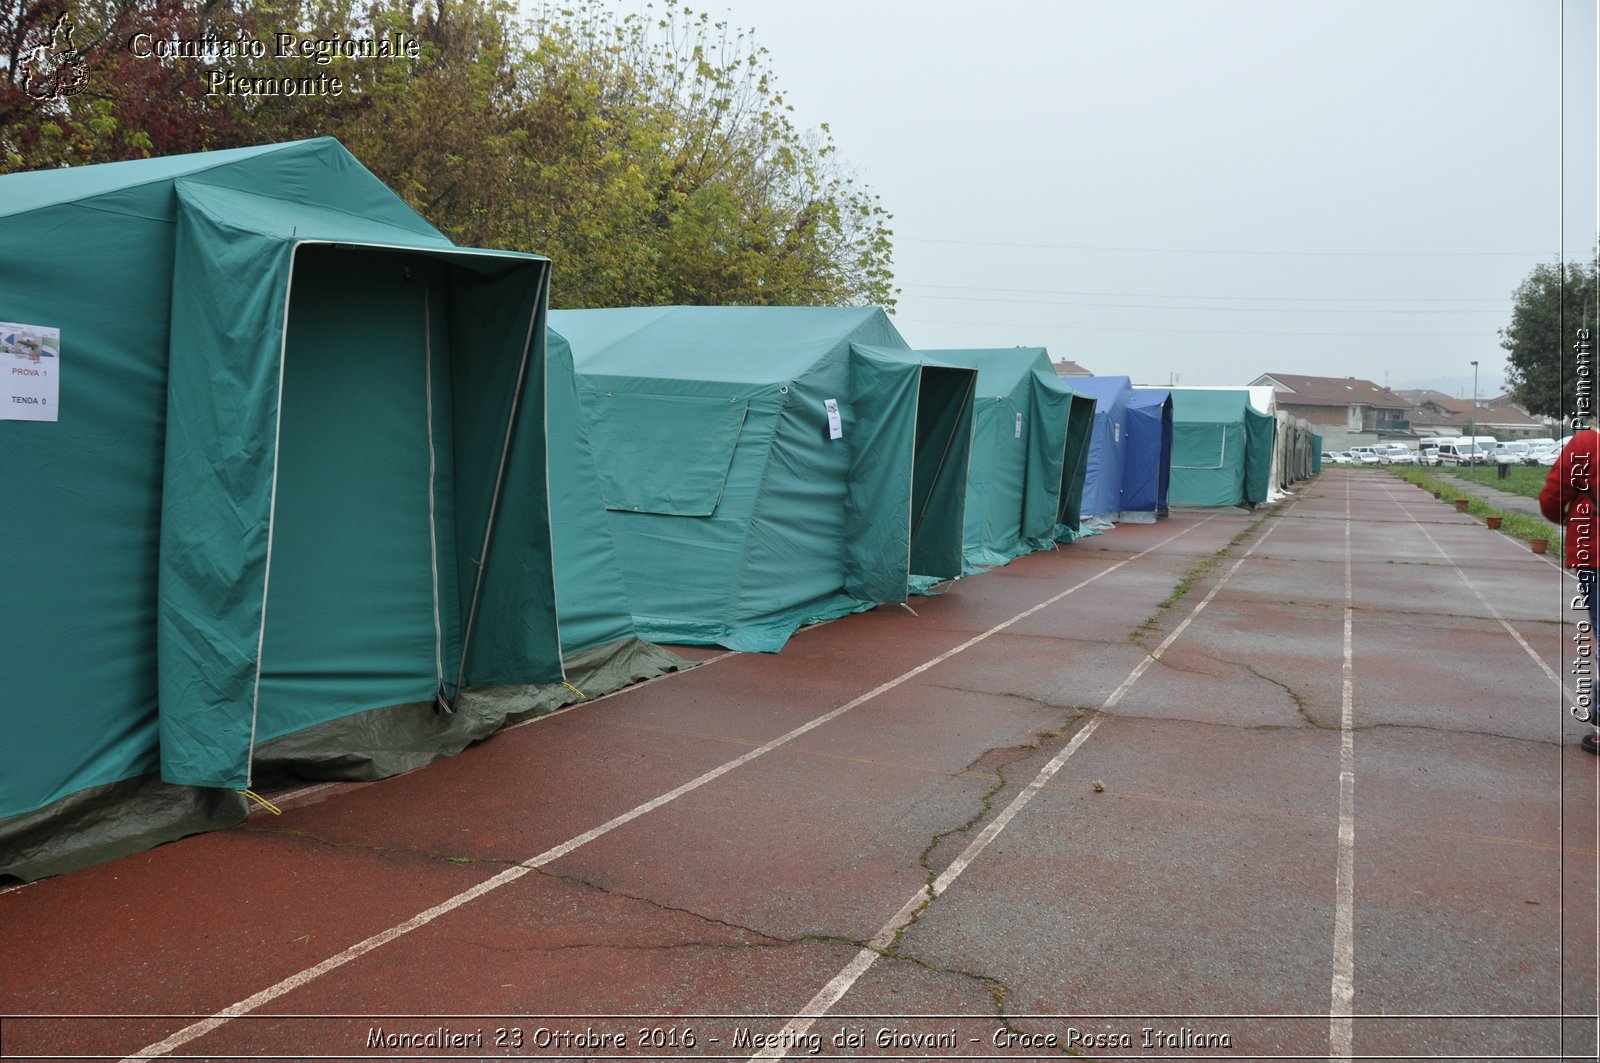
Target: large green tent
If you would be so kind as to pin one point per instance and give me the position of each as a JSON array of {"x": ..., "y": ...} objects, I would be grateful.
[
  {"x": 1019, "y": 443},
  {"x": 763, "y": 468},
  {"x": 268, "y": 495},
  {"x": 1222, "y": 448}
]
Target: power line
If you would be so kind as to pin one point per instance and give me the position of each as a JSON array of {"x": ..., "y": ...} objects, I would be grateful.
[
  {"x": 1211, "y": 309},
  {"x": 1182, "y": 331},
  {"x": 1258, "y": 298},
  {"x": 1227, "y": 251}
]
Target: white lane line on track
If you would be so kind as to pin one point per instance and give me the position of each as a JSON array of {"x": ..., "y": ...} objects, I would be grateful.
[
  {"x": 796, "y": 1028},
  {"x": 1513, "y": 632},
  {"x": 1341, "y": 1003},
  {"x": 421, "y": 919}
]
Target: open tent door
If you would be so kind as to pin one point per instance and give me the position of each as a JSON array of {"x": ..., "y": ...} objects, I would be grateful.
[
  {"x": 943, "y": 450},
  {"x": 336, "y": 533},
  {"x": 1080, "y": 425}
]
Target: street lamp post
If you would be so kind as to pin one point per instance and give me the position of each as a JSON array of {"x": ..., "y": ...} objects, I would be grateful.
[{"x": 1472, "y": 430}]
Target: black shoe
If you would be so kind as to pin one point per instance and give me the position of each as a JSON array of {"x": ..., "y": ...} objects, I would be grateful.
[{"x": 1591, "y": 742}]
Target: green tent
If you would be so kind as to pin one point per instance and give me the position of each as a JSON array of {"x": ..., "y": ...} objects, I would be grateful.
[
  {"x": 763, "y": 468},
  {"x": 265, "y": 359},
  {"x": 1222, "y": 448},
  {"x": 1019, "y": 442}
]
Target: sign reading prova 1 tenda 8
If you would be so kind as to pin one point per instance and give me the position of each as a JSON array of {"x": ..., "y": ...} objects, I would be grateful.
[{"x": 30, "y": 372}]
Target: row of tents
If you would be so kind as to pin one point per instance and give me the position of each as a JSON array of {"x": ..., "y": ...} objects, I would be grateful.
[{"x": 324, "y": 495}]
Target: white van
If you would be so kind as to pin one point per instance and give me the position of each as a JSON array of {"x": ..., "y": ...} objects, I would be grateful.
[
  {"x": 1462, "y": 452},
  {"x": 1428, "y": 448}
]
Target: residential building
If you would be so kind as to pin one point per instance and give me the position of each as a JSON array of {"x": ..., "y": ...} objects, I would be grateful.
[
  {"x": 1345, "y": 411},
  {"x": 1438, "y": 414}
]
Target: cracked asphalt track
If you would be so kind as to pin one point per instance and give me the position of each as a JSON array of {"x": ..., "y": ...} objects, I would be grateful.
[{"x": 1194, "y": 894}]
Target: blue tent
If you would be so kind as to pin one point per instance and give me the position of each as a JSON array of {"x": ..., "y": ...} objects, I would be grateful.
[
  {"x": 1108, "y": 446},
  {"x": 1147, "y": 472}
]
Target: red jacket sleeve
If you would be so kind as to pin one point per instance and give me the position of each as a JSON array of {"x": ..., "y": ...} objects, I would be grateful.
[
  {"x": 1568, "y": 498},
  {"x": 1553, "y": 498}
]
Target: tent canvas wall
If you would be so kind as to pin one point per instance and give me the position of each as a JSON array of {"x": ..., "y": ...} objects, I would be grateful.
[
  {"x": 1019, "y": 442},
  {"x": 762, "y": 468},
  {"x": 1294, "y": 450},
  {"x": 1221, "y": 448},
  {"x": 264, "y": 354},
  {"x": 1147, "y": 474},
  {"x": 591, "y": 597},
  {"x": 1104, "y": 477}
]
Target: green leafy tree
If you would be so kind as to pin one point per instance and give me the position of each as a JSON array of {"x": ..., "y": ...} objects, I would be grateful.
[
  {"x": 651, "y": 156},
  {"x": 1541, "y": 365}
]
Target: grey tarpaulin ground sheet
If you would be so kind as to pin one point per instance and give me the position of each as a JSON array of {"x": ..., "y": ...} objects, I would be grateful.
[{"x": 107, "y": 822}]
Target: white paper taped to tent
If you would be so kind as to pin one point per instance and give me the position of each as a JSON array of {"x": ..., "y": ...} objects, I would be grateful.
[{"x": 30, "y": 372}]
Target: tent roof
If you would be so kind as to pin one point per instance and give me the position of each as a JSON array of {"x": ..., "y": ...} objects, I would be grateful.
[
  {"x": 287, "y": 220},
  {"x": 1000, "y": 369},
  {"x": 1148, "y": 397},
  {"x": 294, "y": 175},
  {"x": 46, "y": 188},
  {"x": 1101, "y": 387},
  {"x": 742, "y": 344}
]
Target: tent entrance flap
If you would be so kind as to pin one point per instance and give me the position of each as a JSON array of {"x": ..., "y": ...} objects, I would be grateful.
[
  {"x": 404, "y": 388},
  {"x": 352, "y": 618},
  {"x": 941, "y": 454},
  {"x": 1080, "y": 425}
]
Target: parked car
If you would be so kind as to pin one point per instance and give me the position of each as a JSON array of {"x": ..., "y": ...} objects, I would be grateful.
[
  {"x": 1428, "y": 456},
  {"x": 1511, "y": 453},
  {"x": 1364, "y": 455},
  {"x": 1396, "y": 455},
  {"x": 1548, "y": 457},
  {"x": 1336, "y": 457}
]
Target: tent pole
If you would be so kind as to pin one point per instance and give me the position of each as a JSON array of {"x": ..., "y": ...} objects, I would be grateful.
[
  {"x": 494, "y": 506},
  {"x": 441, "y": 704}
]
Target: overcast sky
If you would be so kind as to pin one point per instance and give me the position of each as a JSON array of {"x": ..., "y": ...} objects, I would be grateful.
[{"x": 1206, "y": 191}]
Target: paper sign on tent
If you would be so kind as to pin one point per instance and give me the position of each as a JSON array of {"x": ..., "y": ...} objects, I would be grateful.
[{"x": 30, "y": 372}]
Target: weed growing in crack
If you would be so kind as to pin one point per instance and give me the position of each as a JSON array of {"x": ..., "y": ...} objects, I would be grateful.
[{"x": 1194, "y": 576}]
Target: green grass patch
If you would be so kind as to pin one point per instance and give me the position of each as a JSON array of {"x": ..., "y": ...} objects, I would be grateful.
[
  {"x": 1524, "y": 480},
  {"x": 1517, "y": 525}
]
